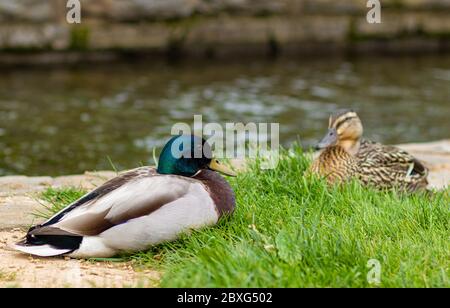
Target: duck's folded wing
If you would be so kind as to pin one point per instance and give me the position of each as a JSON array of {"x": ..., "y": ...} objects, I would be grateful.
[
  {"x": 391, "y": 157},
  {"x": 134, "y": 194},
  {"x": 406, "y": 162}
]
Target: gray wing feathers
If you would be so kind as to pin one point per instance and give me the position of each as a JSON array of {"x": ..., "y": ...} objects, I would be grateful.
[{"x": 134, "y": 194}]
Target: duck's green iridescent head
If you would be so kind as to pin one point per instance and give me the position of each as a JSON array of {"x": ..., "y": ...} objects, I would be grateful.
[{"x": 188, "y": 154}]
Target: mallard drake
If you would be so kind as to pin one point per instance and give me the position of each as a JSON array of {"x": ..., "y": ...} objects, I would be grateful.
[
  {"x": 378, "y": 165},
  {"x": 140, "y": 208}
]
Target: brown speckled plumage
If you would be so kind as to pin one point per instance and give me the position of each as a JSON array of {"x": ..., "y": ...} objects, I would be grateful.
[
  {"x": 388, "y": 167},
  {"x": 335, "y": 164},
  {"x": 347, "y": 155}
]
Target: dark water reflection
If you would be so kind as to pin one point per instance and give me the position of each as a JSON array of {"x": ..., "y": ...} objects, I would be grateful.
[{"x": 60, "y": 121}]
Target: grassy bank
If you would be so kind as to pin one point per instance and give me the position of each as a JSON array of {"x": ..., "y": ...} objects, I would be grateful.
[{"x": 291, "y": 230}]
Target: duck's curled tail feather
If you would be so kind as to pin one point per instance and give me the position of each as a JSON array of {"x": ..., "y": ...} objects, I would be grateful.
[{"x": 49, "y": 245}]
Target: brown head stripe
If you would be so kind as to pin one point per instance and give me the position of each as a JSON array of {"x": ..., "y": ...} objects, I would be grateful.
[
  {"x": 339, "y": 114},
  {"x": 337, "y": 124}
]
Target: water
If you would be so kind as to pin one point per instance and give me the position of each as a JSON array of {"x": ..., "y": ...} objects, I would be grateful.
[{"x": 63, "y": 121}]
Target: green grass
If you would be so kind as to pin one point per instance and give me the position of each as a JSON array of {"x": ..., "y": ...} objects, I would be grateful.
[
  {"x": 57, "y": 199},
  {"x": 291, "y": 230}
]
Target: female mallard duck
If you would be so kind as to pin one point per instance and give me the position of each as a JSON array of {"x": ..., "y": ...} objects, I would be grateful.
[
  {"x": 140, "y": 208},
  {"x": 375, "y": 164}
]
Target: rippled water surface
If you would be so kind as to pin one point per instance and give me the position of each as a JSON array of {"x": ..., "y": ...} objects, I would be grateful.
[{"x": 61, "y": 121}]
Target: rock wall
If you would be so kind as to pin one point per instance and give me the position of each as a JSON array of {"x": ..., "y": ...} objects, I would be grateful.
[{"x": 223, "y": 27}]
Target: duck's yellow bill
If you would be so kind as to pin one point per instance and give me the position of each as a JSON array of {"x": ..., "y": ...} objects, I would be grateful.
[{"x": 217, "y": 166}]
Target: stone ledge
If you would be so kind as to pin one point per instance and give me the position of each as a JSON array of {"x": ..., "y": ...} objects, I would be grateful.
[
  {"x": 290, "y": 27},
  {"x": 19, "y": 185},
  {"x": 137, "y": 10}
]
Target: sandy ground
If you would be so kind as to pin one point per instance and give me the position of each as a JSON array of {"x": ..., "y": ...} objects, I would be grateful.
[{"x": 19, "y": 270}]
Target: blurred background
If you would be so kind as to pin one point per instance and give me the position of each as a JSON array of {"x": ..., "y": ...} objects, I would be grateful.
[{"x": 73, "y": 97}]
